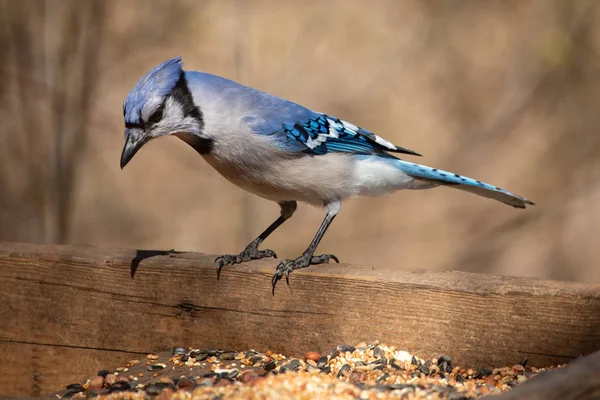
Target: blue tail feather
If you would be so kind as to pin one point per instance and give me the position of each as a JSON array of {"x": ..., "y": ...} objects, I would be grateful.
[{"x": 434, "y": 175}]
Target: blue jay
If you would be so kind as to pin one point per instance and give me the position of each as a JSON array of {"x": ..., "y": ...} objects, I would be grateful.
[{"x": 277, "y": 150}]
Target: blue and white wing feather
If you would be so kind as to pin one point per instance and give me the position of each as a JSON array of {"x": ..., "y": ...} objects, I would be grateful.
[
  {"x": 322, "y": 134},
  {"x": 299, "y": 129}
]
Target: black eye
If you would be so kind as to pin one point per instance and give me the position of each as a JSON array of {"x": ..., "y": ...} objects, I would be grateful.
[{"x": 156, "y": 116}]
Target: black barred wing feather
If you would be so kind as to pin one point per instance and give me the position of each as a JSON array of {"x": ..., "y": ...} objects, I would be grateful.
[{"x": 322, "y": 134}]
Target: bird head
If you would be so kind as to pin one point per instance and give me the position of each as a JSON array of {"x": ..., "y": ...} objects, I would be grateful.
[{"x": 160, "y": 104}]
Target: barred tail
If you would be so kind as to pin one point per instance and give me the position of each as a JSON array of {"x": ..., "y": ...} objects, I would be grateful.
[{"x": 439, "y": 177}]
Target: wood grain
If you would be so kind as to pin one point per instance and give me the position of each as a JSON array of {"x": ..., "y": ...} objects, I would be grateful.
[
  {"x": 68, "y": 311},
  {"x": 38, "y": 369}
]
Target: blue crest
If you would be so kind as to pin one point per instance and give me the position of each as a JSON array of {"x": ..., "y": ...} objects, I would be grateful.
[{"x": 157, "y": 83}]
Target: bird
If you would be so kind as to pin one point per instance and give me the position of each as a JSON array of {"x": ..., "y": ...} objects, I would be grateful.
[{"x": 278, "y": 150}]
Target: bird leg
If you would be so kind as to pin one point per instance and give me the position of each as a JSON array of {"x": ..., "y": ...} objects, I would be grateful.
[
  {"x": 251, "y": 251},
  {"x": 308, "y": 258}
]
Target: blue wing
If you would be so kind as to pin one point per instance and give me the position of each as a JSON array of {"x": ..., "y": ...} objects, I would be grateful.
[
  {"x": 315, "y": 133},
  {"x": 323, "y": 133}
]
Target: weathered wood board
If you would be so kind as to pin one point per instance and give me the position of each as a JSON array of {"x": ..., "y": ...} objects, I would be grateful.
[
  {"x": 67, "y": 311},
  {"x": 580, "y": 380}
]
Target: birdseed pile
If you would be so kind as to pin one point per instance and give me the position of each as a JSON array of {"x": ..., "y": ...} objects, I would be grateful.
[{"x": 374, "y": 371}]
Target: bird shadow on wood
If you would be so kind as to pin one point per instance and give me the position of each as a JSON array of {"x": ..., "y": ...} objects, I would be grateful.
[{"x": 141, "y": 255}]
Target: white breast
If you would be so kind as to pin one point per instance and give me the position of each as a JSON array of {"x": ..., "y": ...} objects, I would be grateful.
[
  {"x": 318, "y": 180},
  {"x": 315, "y": 180}
]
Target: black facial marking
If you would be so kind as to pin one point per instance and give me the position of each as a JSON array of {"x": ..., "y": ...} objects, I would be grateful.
[
  {"x": 156, "y": 115},
  {"x": 201, "y": 145},
  {"x": 181, "y": 94},
  {"x": 133, "y": 125}
]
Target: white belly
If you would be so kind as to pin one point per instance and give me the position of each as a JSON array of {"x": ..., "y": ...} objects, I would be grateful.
[
  {"x": 316, "y": 180},
  {"x": 378, "y": 176}
]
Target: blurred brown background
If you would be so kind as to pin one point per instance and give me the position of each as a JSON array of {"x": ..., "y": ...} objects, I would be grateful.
[{"x": 503, "y": 91}]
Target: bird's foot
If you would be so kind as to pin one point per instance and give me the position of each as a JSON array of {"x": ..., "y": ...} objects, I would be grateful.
[
  {"x": 250, "y": 253},
  {"x": 305, "y": 260}
]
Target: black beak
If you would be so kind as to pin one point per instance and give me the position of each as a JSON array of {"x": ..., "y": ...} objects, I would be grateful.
[{"x": 132, "y": 146}]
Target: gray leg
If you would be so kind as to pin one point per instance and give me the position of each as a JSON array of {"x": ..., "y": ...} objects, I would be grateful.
[
  {"x": 251, "y": 251},
  {"x": 308, "y": 258}
]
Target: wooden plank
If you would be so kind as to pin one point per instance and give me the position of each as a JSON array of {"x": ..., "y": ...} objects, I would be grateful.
[
  {"x": 36, "y": 370},
  {"x": 77, "y": 297},
  {"x": 2, "y": 397},
  {"x": 580, "y": 380}
]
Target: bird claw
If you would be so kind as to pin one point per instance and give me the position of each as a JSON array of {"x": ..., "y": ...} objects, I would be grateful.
[
  {"x": 226, "y": 259},
  {"x": 287, "y": 277},
  {"x": 324, "y": 258},
  {"x": 287, "y": 266},
  {"x": 249, "y": 253},
  {"x": 276, "y": 276}
]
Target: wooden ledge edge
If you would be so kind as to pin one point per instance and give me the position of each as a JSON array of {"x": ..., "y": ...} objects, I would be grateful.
[
  {"x": 457, "y": 281},
  {"x": 579, "y": 380}
]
